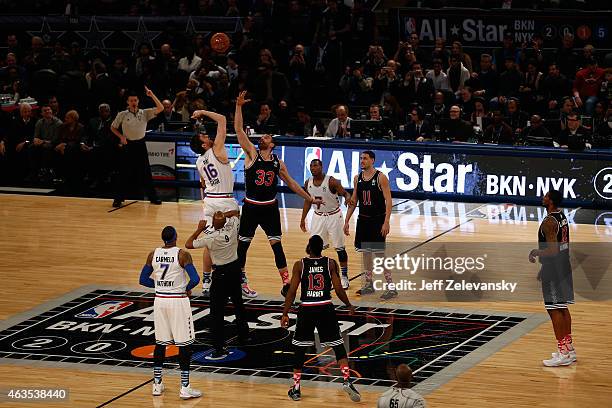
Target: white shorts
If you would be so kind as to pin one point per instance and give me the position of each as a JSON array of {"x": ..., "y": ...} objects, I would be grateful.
[
  {"x": 330, "y": 228},
  {"x": 212, "y": 205},
  {"x": 173, "y": 321}
]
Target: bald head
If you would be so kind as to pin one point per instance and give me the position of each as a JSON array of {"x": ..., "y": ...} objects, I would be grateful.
[
  {"x": 404, "y": 376},
  {"x": 218, "y": 220}
]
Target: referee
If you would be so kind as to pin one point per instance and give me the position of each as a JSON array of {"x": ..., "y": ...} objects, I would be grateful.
[
  {"x": 222, "y": 242},
  {"x": 134, "y": 158}
]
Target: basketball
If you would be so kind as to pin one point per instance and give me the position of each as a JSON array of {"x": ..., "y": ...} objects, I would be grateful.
[{"x": 220, "y": 42}]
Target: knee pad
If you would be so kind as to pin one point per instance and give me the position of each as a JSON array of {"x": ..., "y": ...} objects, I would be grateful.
[
  {"x": 340, "y": 352},
  {"x": 279, "y": 255},
  {"x": 342, "y": 255}
]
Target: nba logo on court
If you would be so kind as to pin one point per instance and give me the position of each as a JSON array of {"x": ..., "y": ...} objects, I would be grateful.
[
  {"x": 311, "y": 153},
  {"x": 103, "y": 309}
]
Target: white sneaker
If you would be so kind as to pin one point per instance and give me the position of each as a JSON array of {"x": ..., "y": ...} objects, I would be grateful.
[
  {"x": 206, "y": 283},
  {"x": 188, "y": 392},
  {"x": 345, "y": 281},
  {"x": 248, "y": 292},
  {"x": 158, "y": 389},
  {"x": 572, "y": 355},
  {"x": 558, "y": 359}
]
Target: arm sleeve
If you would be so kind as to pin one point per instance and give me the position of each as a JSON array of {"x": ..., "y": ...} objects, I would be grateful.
[
  {"x": 145, "y": 276},
  {"x": 194, "y": 278}
]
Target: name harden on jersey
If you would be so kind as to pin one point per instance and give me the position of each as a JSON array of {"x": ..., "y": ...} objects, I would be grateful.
[{"x": 315, "y": 293}]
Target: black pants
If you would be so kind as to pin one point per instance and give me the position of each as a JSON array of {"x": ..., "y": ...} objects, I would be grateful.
[
  {"x": 134, "y": 172},
  {"x": 39, "y": 157},
  {"x": 226, "y": 282}
]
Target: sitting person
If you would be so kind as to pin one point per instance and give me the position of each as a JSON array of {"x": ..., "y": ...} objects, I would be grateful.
[
  {"x": 400, "y": 395},
  {"x": 69, "y": 145},
  {"x": 602, "y": 139},
  {"x": 266, "y": 122},
  {"x": 536, "y": 133},
  {"x": 456, "y": 129},
  {"x": 340, "y": 126},
  {"x": 574, "y": 136},
  {"x": 499, "y": 131},
  {"x": 419, "y": 129}
]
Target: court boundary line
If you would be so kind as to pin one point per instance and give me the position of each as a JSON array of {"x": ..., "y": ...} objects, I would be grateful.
[
  {"x": 122, "y": 206},
  {"x": 125, "y": 393}
]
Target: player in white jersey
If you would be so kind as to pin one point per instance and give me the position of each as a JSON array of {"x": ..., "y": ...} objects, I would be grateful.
[
  {"x": 171, "y": 309},
  {"x": 217, "y": 179},
  {"x": 327, "y": 221},
  {"x": 400, "y": 395}
]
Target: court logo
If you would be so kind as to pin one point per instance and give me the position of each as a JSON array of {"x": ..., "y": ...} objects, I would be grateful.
[
  {"x": 310, "y": 154},
  {"x": 603, "y": 183},
  {"x": 103, "y": 309}
]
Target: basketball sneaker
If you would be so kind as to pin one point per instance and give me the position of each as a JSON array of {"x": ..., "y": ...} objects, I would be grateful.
[
  {"x": 158, "y": 389},
  {"x": 344, "y": 279},
  {"x": 352, "y": 392},
  {"x": 557, "y": 360},
  {"x": 294, "y": 393},
  {"x": 218, "y": 354},
  {"x": 388, "y": 294},
  {"x": 188, "y": 392},
  {"x": 247, "y": 292},
  {"x": 572, "y": 354},
  {"x": 366, "y": 289}
]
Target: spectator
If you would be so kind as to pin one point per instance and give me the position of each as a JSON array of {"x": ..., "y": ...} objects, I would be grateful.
[
  {"x": 466, "y": 102},
  {"x": 335, "y": 21},
  {"x": 104, "y": 147},
  {"x": 530, "y": 86},
  {"x": 480, "y": 116},
  {"x": 555, "y": 87},
  {"x": 588, "y": 53},
  {"x": 19, "y": 139},
  {"x": 566, "y": 58},
  {"x": 232, "y": 67},
  {"x": 457, "y": 74},
  {"x": 456, "y": 129},
  {"x": 190, "y": 62},
  {"x": 510, "y": 80},
  {"x": 356, "y": 85},
  {"x": 340, "y": 126},
  {"x": 145, "y": 57},
  {"x": 364, "y": 29},
  {"x": 439, "y": 110},
  {"x": 536, "y": 133},
  {"x": 485, "y": 82},
  {"x": 271, "y": 87},
  {"x": 499, "y": 132},
  {"x": 535, "y": 53},
  {"x": 299, "y": 79},
  {"x": 507, "y": 51},
  {"x": 134, "y": 158},
  {"x": 574, "y": 136},
  {"x": 69, "y": 145},
  {"x": 41, "y": 149},
  {"x": 385, "y": 81},
  {"x": 404, "y": 55},
  {"x": 400, "y": 395},
  {"x": 419, "y": 129},
  {"x": 440, "y": 52},
  {"x": 457, "y": 51},
  {"x": 55, "y": 106},
  {"x": 587, "y": 86},
  {"x": 266, "y": 122},
  {"x": 605, "y": 90},
  {"x": 420, "y": 89},
  {"x": 602, "y": 138},
  {"x": 438, "y": 77},
  {"x": 420, "y": 54},
  {"x": 516, "y": 118},
  {"x": 375, "y": 114},
  {"x": 38, "y": 57},
  {"x": 167, "y": 115},
  {"x": 374, "y": 60},
  {"x": 304, "y": 125}
]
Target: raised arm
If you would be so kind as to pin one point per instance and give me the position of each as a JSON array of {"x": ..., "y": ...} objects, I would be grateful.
[
  {"x": 158, "y": 105},
  {"x": 243, "y": 139},
  {"x": 351, "y": 207},
  {"x": 383, "y": 182},
  {"x": 201, "y": 227},
  {"x": 293, "y": 185},
  {"x": 219, "y": 144}
]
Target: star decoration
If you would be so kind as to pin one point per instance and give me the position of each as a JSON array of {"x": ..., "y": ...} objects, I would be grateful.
[
  {"x": 94, "y": 37},
  {"x": 49, "y": 36},
  {"x": 384, "y": 169},
  {"x": 142, "y": 35},
  {"x": 455, "y": 29},
  {"x": 190, "y": 29}
]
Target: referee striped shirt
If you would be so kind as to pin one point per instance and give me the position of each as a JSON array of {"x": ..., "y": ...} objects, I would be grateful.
[{"x": 134, "y": 124}]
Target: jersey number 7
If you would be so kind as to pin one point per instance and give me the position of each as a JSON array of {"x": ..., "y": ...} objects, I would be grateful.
[{"x": 165, "y": 268}]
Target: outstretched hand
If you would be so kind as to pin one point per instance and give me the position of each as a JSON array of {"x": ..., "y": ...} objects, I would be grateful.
[
  {"x": 241, "y": 100},
  {"x": 148, "y": 92}
]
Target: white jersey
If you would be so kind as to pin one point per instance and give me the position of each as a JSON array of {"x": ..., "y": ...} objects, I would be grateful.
[
  {"x": 400, "y": 398},
  {"x": 217, "y": 176},
  {"x": 331, "y": 202},
  {"x": 169, "y": 275},
  {"x": 222, "y": 243}
]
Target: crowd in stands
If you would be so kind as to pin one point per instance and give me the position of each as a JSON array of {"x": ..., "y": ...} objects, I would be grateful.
[{"x": 296, "y": 59}]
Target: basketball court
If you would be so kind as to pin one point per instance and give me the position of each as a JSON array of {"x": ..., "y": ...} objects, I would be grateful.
[{"x": 73, "y": 315}]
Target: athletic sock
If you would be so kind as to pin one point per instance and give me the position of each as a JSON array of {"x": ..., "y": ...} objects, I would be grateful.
[
  {"x": 569, "y": 343},
  {"x": 346, "y": 373},
  {"x": 344, "y": 270},
  {"x": 388, "y": 276},
  {"x": 284, "y": 274},
  {"x": 157, "y": 375},
  {"x": 296, "y": 380},
  {"x": 561, "y": 346},
  {"x": 184, "y": 378},
  {"x": 207, "y": 276},
  {"x": 244, "y": 278}
]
